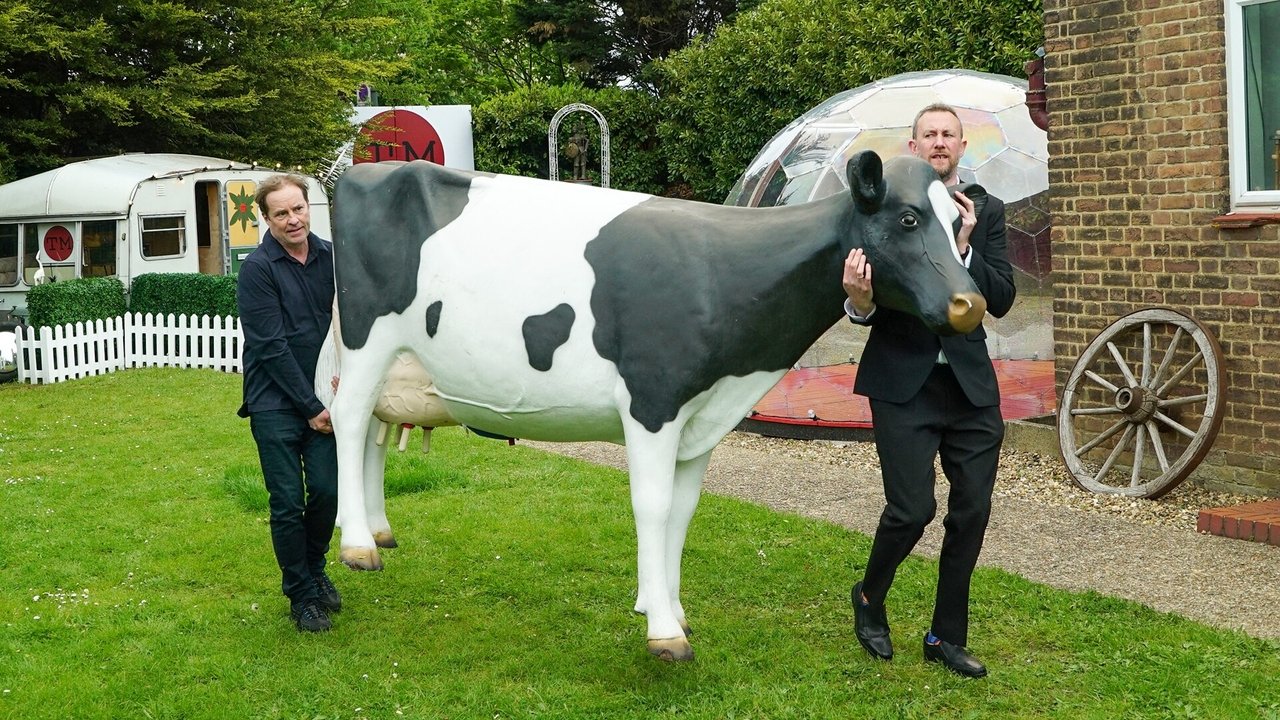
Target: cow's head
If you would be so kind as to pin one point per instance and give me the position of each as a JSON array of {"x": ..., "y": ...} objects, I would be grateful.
[{"x": 909, "y": 238}]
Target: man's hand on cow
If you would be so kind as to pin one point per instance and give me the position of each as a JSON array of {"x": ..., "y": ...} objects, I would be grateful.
[
  {"x": 322, "y": 422},
  {"x": 857, "y": 282},
  {"x": 968, "y": 220}
]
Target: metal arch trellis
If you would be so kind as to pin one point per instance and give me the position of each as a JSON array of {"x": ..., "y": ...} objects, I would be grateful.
[{"x": 553, "y": 144}]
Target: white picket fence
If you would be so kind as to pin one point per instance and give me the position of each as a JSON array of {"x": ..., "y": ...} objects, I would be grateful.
[{"x": 67, "y": 352}]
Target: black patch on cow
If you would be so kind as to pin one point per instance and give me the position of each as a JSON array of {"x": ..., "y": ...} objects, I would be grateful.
[
  {"x": 382, "y": 214},
  {"x": 545, "y": 333},
  {"x": 433, "y": 317},
  {"x": 688, "y": 293}
]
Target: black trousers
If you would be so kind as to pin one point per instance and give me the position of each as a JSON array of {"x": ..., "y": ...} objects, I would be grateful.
[
  {"x": 938, "y": 421},
  {"x": 300, "y": 467}
]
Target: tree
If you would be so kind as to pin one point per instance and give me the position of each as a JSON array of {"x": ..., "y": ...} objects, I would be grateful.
[
  {"x": 242, "y": 79},
  {"x": 606, "y": 43},
  {"x": 459, "y": 52}
]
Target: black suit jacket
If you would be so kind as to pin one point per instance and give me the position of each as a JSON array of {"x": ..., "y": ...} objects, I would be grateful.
[{"x": 901, "y": 352}]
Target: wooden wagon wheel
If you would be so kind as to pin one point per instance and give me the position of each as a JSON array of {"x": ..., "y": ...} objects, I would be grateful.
[{"x": 1142, "y": 405}]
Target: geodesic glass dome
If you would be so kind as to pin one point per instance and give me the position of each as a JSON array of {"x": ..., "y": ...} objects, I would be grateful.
[{"x": 1006, "y": 153}]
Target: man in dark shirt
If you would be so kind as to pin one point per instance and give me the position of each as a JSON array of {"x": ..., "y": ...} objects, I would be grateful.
[{"x": 285, "y": 294}]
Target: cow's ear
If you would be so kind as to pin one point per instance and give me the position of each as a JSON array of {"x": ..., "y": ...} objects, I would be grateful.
[
  {"x": 976, "y": 193},
  {"x": 866, "y": 180}
]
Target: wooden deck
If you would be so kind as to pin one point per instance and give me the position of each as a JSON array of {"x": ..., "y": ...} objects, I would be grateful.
[{"x": 819, "y": 401}]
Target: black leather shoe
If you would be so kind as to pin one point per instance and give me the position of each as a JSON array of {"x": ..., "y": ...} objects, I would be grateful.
[
  {"x": 329, "y": 598},
  {"x": 871, "y": 626},
  {"x": 954, "y": 658}
]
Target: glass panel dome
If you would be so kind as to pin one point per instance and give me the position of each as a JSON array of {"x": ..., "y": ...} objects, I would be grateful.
[{"x": 1006, "y": 153}]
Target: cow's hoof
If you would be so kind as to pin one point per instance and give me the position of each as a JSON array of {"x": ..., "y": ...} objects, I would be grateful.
[
  {"x": 384, "y": 539},
  {"x": 671, "y": 649},
  {"x": 361, "y": 558}
]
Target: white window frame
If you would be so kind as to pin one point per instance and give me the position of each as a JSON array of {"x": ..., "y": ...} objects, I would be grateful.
[
  {"x": 181, "y": 229},
  {"x": 1242, "y": 198}
]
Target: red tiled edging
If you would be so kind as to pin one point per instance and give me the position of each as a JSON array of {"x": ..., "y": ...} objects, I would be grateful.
[{"x": 1259, "y": 521}]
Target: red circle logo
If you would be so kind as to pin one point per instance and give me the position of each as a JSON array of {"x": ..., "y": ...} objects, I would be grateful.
[
  {"x": 399, "y": 135},
  {"x": 58, "y": 243}
]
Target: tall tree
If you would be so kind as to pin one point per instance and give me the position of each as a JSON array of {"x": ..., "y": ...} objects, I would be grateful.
[
  {"x": 462, "y": 52},
  {"x": 243, "y": 79},
  {"x": 608, "y": 43}
]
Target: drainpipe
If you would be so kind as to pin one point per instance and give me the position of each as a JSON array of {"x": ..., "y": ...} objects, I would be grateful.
[{"x": 1037, "y": 102}]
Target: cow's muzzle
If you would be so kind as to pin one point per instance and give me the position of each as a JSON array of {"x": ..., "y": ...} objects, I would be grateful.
[{"x": 965, "y": 312}]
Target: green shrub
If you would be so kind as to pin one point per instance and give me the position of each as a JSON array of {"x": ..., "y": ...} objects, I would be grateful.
[
  {"x": 183, "y": 294},
  {"x": 72, "y": 301},
  {"x": 510, "y": 133}
]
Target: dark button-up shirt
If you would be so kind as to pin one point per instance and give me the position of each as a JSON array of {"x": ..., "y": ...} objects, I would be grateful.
[{"x": 285, "y": 310}]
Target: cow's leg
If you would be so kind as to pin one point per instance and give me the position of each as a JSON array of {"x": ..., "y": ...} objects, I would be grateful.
[
  {"x": 375, "y": 503},
  {"x": 684, "y": 500},
  {"x": 651, "y": 459},
  {"x": 352, "y": 413}
]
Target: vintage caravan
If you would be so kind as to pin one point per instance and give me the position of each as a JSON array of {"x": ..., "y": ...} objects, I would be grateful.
[{"x": 128, "y": 215}]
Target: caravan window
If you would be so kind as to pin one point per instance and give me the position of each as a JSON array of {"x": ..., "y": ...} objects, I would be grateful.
[
  {"x": 164, "y": 236},
  {"x": 8, "y": 255},
  {"x": 30, "y": 249},
  {"x": 98, "y": 256}
]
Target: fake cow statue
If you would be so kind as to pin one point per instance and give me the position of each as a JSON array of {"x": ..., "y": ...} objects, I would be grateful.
[{"x": 561, "y": 312}]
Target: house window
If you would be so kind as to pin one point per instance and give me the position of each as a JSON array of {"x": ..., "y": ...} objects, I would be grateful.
[
  {"x": 164, "y": 236},
  {"x": 1253, "y": 90}
]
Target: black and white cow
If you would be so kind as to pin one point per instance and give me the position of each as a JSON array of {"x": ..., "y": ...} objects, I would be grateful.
[{"x": 561, "y": 312}]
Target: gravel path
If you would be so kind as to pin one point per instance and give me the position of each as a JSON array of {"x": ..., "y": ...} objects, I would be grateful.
[{"x": 1042, "y": 527}]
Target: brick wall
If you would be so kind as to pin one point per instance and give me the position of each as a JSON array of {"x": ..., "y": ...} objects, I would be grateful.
[{"x": 1138, "y": 171}]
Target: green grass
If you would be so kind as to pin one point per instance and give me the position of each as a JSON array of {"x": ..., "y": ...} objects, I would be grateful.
[{"x": 137, "y": 580}]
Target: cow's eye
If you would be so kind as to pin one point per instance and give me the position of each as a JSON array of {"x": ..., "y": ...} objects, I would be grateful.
[{"x": 909, "y": 221}]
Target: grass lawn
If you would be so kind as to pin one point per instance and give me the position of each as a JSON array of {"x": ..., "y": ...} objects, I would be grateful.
[{"x": 137, "y": 581}]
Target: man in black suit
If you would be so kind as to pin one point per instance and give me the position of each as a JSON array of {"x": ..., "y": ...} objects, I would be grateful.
[{"x": 933, "y": 396}]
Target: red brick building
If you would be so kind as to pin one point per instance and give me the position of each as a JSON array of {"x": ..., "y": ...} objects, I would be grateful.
[{"x": 1164, "y": 119}]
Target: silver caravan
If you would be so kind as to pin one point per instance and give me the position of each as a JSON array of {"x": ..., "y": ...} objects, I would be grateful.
[
  {"x": 129, "y": 215},
  {"x": 126, "y": 216}
]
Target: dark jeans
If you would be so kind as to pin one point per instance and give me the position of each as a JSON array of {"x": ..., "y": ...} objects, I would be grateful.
[
  {"x": 300, "y": 467},
  {"x": 938, "y": 421}
]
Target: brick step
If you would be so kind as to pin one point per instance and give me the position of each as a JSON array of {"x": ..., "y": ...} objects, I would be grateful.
[{"x": 1256, "y": 521}]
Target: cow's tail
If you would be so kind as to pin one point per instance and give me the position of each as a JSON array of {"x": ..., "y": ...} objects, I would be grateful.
[{"x": 327, "y": 365}]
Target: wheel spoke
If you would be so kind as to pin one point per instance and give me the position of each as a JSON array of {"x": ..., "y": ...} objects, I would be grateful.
[
  {"x": 1168, "y": 358},
  {"x": 1175, "y": 424},
  {"x": 1101, "y": 438},
  {"x": 1154, "y": 433},
  {"x": 1138, "y": 447},
  {"x": 1100, "y": 380},
  {"x": 1182, "y": 372},
  {"x": 1115, "y": 453},
  {"x": 1124, "y": 367},
  {"x": 1104, "y": 410},
  {"x": 1146, "y": 353},
  {"x": 1187, "y": 400}
]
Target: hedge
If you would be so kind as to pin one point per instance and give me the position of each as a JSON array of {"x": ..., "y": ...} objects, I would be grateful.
[
  {"x": 184, "y": 294},
  {"x": 72, "y": 301},
  {"x": 86, "y": 299}
]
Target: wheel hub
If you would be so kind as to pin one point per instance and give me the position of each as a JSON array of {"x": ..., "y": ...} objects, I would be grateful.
[{"x": 1136, "y": 402}]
